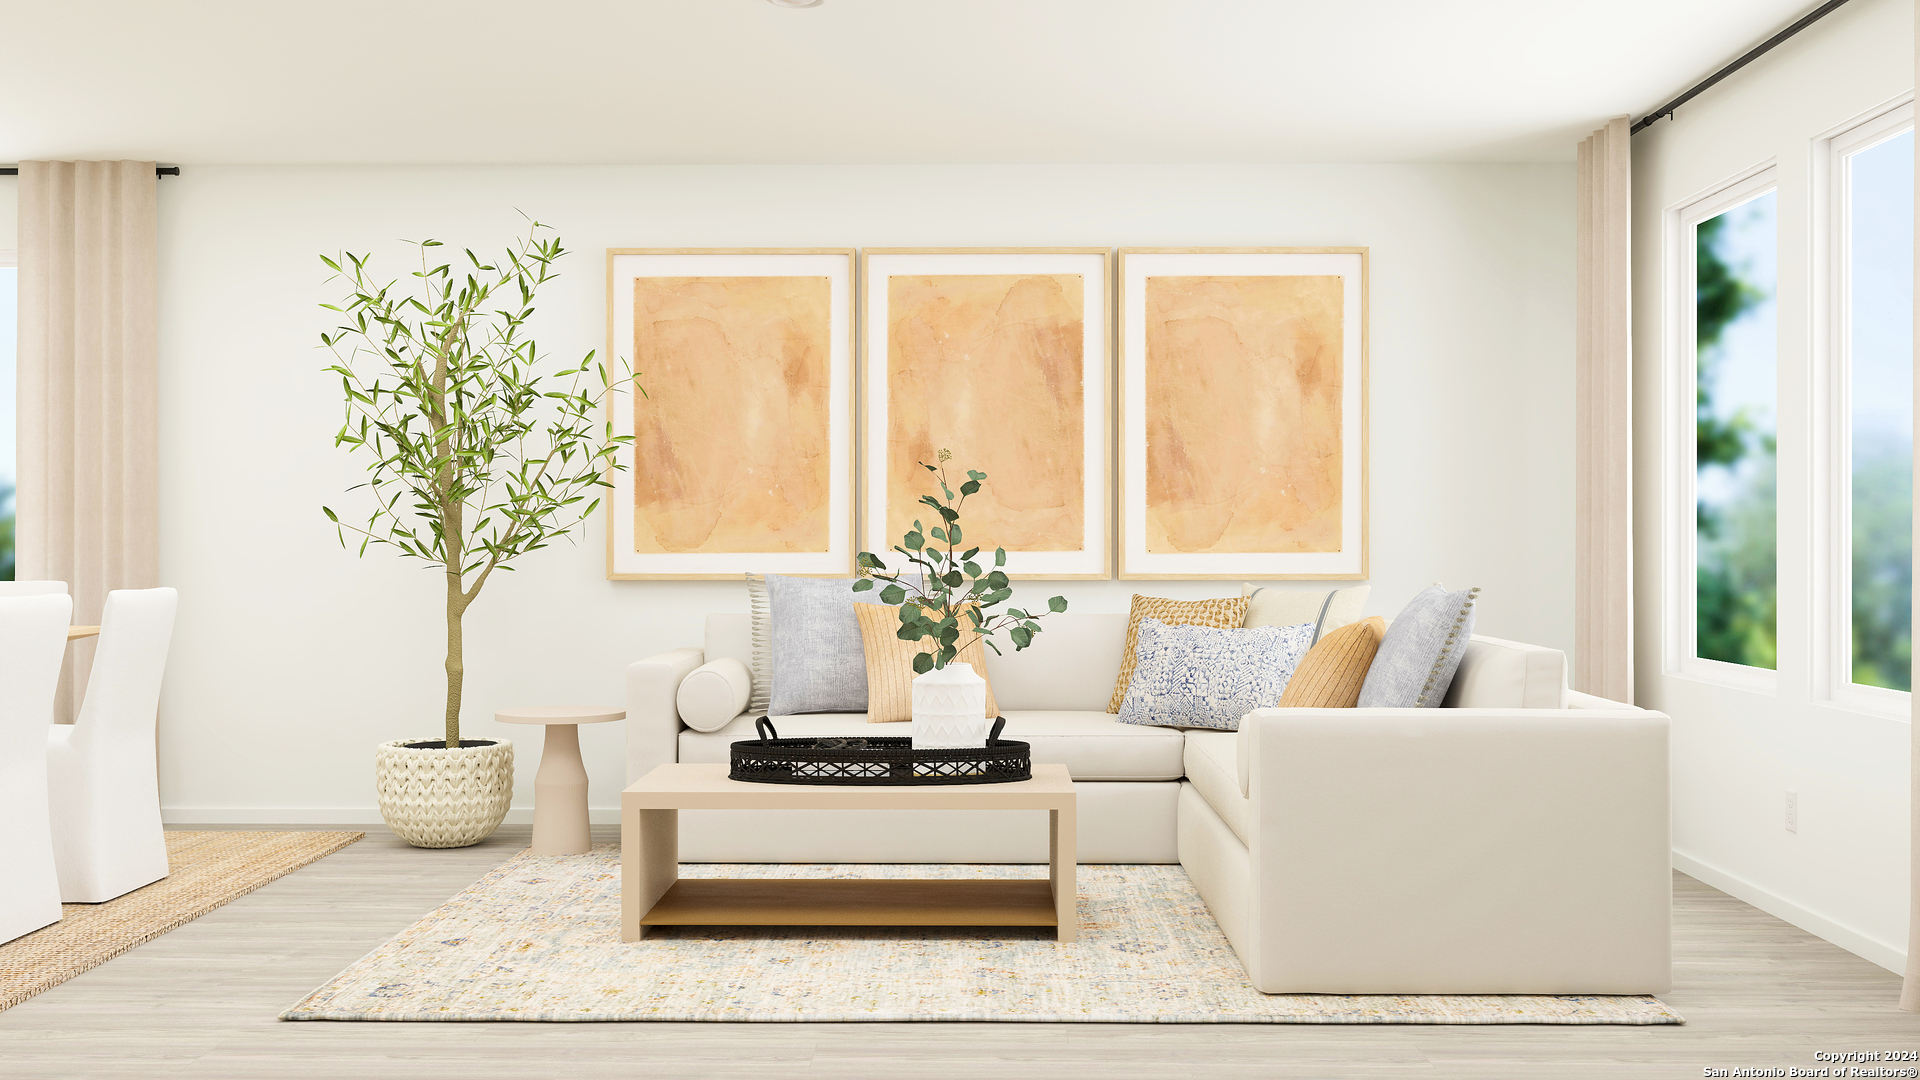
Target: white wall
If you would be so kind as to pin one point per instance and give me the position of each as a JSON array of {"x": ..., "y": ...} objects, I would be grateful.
[
  {"x": 1736, "y": 753},
  {"x": 293, "y": 658}
]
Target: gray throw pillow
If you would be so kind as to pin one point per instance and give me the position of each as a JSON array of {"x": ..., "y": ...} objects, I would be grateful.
[
  {"x": 1421, "y": 651},
  {"x": 819, "y": 663}
]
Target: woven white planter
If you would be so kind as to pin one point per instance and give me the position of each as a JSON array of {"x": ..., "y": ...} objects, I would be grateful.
[
  {"x": 950, "y": 709},
  {"x": 433, "y": 797}
]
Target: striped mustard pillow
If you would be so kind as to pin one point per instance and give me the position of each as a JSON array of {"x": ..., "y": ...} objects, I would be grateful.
[
  {"x": 890, "y": 664},
  {"x": 1221, "y": 613},
  {"x": 1331, "y": 674}
]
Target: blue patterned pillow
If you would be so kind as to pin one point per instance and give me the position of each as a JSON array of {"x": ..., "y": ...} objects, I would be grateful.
[{"x": 1202, "y": 677}]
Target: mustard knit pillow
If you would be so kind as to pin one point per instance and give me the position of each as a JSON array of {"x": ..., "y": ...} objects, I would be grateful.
[
  {"x": 1223, "y": 613},
  {"x": 1330, "y": 675},
  {"x": 890, "y": 664}
]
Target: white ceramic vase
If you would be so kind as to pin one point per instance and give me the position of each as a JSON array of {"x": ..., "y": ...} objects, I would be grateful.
[
  {"x": 950, "y": 709},
  {"x": 433, "y": 797}
]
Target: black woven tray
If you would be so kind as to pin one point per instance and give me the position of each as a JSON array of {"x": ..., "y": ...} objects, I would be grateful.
[{"x": 771, "y": 759}]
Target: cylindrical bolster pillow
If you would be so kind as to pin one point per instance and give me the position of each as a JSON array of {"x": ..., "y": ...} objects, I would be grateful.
[{"x": 712, "y": 695}]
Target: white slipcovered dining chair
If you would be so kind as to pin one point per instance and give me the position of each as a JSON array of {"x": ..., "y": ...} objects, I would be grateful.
[
  {"x": 32, "y": 588},
  {"x": 101, "y": 770},
  {"x": 33, "y": 637}
]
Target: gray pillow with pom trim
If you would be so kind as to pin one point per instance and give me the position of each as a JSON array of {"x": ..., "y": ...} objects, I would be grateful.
[{"x": 1421, "y": 651}]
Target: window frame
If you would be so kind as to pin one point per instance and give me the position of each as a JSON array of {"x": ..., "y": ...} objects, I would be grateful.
[
  {"x": 1682, "y": 579},
  {"x": 1832, "y": 637}
]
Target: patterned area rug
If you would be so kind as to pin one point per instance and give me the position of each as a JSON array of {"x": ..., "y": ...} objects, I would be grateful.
[
  {"x": 208, "y": 870},
  {"x": 539, "y": 939}
]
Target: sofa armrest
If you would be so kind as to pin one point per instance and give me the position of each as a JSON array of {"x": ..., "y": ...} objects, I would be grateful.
[
  {"x": 653, "y": 720},
  {"x": 1480, "y": 851},
  {"x": 1578, "y": 700}
]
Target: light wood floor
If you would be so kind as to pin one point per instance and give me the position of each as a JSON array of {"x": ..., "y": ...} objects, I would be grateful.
[{"x": 200, "y": 1002}]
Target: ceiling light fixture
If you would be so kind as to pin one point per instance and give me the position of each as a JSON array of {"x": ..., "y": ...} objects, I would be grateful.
[{"x": 796, "y": 3}]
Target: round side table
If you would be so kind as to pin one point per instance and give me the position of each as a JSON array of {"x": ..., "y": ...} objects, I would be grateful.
[{"x": 560, "y": 787}]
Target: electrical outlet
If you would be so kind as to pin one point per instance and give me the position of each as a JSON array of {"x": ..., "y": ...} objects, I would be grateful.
[{"x": 1793, "y": 811}]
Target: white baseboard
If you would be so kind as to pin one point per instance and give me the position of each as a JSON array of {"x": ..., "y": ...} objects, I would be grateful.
[
  {"x": 331, "y": 815},
  {"x": 1867, "y": 948}
]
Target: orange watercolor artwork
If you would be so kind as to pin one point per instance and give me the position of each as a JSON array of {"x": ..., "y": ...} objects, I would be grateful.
[
  {"x": 731, "y": 441},
  {"x": 1243, "y": 423},
  {"x": 990, "y": 366}
]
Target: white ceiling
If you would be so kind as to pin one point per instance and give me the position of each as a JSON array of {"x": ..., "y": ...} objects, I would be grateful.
[{"x": 641, "y": 81}]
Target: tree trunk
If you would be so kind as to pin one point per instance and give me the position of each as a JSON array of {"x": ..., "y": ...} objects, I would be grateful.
[{"x": 456, "y": 657}]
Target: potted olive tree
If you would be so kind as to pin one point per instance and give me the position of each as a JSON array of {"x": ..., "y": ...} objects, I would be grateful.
[
  {"x": 947, "y": 600},
  {"x": 478, "y": 450}
]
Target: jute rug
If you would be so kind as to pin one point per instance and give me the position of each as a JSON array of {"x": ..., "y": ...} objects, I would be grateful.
[
  {"x": 208, "y": 869},
  {"x": 539, "y": 939}
]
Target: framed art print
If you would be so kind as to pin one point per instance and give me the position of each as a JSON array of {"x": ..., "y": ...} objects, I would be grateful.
[
  {"x": 1243, "y": 418},
  {"x": 742, "y": 456},
  {"x": 1002, "y": 357}
]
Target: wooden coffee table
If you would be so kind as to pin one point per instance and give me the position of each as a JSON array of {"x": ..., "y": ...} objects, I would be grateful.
[{"x": 653, "y": 894}]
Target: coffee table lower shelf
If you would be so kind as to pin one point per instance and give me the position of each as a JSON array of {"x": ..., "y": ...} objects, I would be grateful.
[{"x": 853, "y": 902}]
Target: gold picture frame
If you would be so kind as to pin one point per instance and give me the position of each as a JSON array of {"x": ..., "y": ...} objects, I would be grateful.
[
  {"x": 1242, "y": 449},
  {"x": 743, "y": 457}
]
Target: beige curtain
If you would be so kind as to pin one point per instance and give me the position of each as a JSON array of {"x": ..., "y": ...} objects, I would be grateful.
[
  {"x": 87, "y": 504},
  {"x": 1910, "y": 993},
  {"x": 1603, "y": 424}
]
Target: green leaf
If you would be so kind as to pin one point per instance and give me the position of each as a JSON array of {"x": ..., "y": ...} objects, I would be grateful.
[
  {"x": 953, "y": 532},
  {"x": 893, "y": 595},
  {"x": 1021, "y": 637},
  {"x": 937, "y": 534},
  {"x": 863, "y": 585},
  {"x": 971, "y": 487},
  {"x": 914, "y": 541},
  {"x": 1057, "y": 604},
  {"x": 999, "y": 556},
  {"x": 922, "y": 663}
]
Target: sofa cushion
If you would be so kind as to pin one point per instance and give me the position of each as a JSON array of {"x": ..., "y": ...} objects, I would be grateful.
[
  {"x": 1070, "y": 667},
  {"x": 1213, "y": 770},
  {"x": 1499, "y": 674},
  {"x": 1327, "y": 609},
  {"x": 890, "y": 664},
  {"x": 714, "y": 694},
  {"x": 1332, "y": 672},
  {"x": 819, "y": 664},
  {"x": 1223, "y": 613},
  {"x": 1092, "y": 745},
  {"x": 1202, "y": 677},
  {"x": 1421, "y": 650}
]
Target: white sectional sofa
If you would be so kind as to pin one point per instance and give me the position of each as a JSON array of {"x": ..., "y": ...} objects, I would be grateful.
[{"x": 1515, "y": 840}]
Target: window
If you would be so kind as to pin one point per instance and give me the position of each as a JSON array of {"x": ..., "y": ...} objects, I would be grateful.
[
  {"x": 1725, "y": 624},
  {"x": 9, "y": 336},
  {"x": 1869, "y": 431}
]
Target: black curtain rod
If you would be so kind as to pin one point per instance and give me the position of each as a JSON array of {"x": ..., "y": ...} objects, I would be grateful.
[
  {"x": 159, "y": 170},
  {"x": 1807, "y": 20}
]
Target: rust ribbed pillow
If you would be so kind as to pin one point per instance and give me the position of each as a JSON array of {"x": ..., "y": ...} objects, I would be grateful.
[
  {"x": 1222, "y": 613},
  {"x": 890, "y": 664},
  {"x": 1330, "y": 675}
]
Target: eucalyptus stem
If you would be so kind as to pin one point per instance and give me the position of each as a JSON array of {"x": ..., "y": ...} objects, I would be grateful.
[{"x": 942, "y": 573}]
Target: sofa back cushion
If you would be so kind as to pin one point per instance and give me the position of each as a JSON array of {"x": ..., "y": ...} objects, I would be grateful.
[
  {"x": 1074, "y": 661},
  {"x": 1070, "y": 666},
  {"x": 731, "y": 636},
  {"x": 1496, "y": 673}
]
